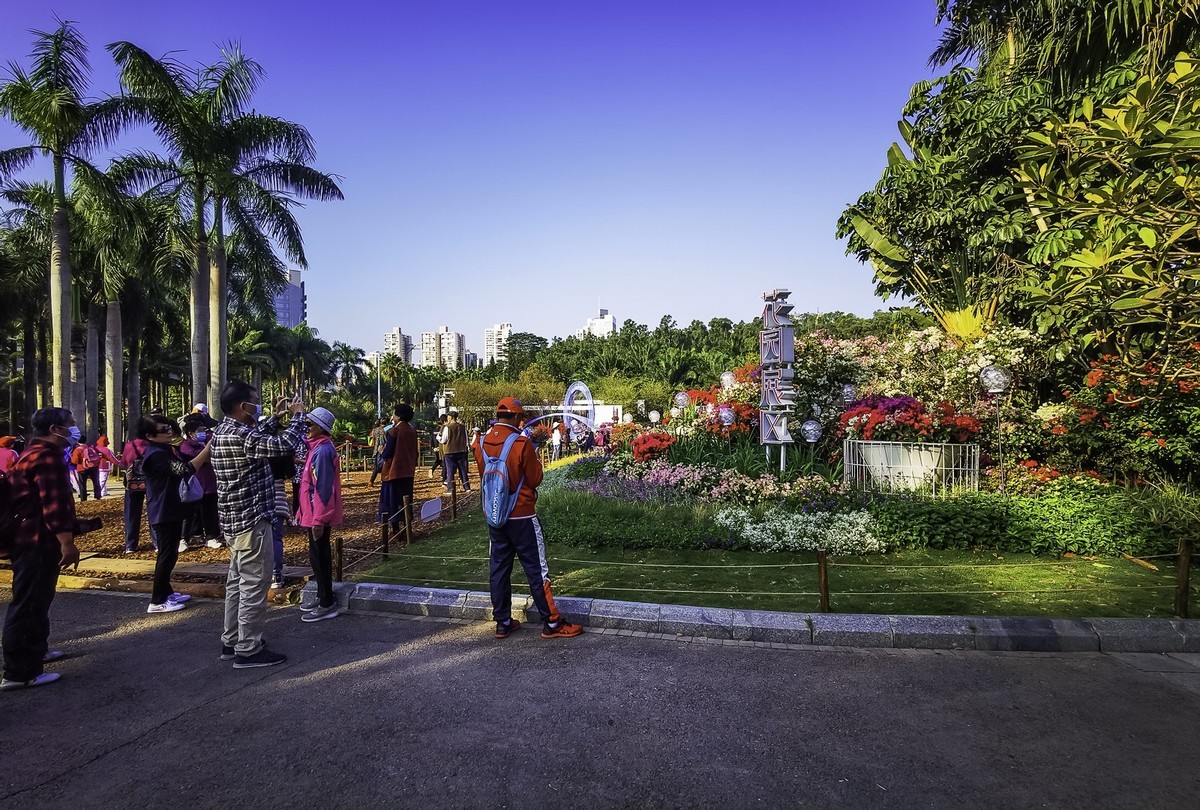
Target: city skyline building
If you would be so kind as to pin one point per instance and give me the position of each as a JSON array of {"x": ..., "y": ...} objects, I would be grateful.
[
  {"x": 291, "y": 305},
  {"x": 443, "y": 349},
  {"x": 397, "y": 343},
  {"x": 495, "y": 343},
  {"x": 601, "y": 326}
]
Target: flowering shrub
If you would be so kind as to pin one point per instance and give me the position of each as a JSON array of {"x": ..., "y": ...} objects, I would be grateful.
[
  {"x": 623, "y": 433},
  {"x": 850, "y": 533},
  {"x": 906, "y": 419},
  {"x": 651, "y": 446},
  {"x": 707, "y": 482}
]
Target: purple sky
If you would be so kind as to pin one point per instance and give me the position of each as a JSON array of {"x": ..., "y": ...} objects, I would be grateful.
[{"x": 528, "y": 161}]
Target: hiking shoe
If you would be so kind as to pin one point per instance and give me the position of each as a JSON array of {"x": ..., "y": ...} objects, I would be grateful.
[
  {"x": 564, "y": 630},
  {"x": 277, "y": 584},
  {"x": 214, "y": 543},
  {"x": 41, "y": 680},
  {"x": 178, "y": 598},
  {"x": 318, "y": 613},
  {"x": 53, "y": 655},
  {"x": 227, "y": 653},
  {"x": 504, "y": 630},
  {"x": 262, "y": 658},
  {"x": 166, "y": 607}
]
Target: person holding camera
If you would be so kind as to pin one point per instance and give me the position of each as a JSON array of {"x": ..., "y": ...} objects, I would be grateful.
[
  {"x": 43, "y": 509},
  {"x": 165, "y": 470}
]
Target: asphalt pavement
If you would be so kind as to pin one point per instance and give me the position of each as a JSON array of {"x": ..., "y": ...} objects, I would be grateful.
[{"x": 398, "y": 711}]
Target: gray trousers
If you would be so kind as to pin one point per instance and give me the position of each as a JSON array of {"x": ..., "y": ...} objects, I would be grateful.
[{"x": 251, "y": 560}]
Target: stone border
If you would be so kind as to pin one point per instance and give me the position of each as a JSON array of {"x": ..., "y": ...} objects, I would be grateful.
[{"x": 991, "y": 633}]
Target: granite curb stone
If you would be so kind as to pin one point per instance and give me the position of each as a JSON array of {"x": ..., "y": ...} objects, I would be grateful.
[{"x": 826, "y": 630}]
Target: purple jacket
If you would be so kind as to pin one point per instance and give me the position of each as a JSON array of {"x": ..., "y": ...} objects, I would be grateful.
[
  {"x": 320, "y": 486},
  {"x": 205, "y": 475}
]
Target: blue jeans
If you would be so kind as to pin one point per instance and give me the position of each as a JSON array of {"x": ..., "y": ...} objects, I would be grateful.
[{"x": 277, "y": 543}]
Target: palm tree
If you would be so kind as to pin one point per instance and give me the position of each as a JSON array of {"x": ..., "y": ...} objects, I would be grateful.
[
  {"x": 48, "y": 103},
  {"x": 349, "y": 364}
]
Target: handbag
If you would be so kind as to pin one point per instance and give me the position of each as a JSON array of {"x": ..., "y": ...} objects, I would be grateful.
[{"x": 190, "y": 490}]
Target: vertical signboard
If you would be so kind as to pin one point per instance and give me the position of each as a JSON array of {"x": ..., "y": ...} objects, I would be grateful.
[{"x": 777, "y": 353}]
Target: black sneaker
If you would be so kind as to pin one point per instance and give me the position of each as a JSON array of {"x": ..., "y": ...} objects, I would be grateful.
[
  {"x": 504, "y": 630},
  {"x": 227, "y": 653},
  {"x": 262, "y": 658}
]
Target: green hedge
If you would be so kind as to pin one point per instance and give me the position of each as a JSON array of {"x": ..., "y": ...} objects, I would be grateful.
[{"x": 595, "y": 521}]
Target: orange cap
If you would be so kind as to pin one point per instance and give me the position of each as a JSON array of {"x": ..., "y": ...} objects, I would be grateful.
[{"x": 510, "y": 405}]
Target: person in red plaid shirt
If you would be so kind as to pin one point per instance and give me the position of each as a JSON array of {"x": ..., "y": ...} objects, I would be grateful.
[{"x": 44, "y": 544}]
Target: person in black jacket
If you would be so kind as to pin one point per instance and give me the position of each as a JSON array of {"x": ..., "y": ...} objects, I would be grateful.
[{"x": 164, "y": 470}]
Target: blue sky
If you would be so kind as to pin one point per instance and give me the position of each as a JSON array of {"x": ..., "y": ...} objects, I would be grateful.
[{"x": 528, "y": 161}]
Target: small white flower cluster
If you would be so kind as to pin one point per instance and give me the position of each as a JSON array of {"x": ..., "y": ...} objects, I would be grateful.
[{"x": 840, "y": 534}]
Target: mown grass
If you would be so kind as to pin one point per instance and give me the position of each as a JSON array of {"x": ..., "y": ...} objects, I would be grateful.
[{"x": 912, "y": 582}]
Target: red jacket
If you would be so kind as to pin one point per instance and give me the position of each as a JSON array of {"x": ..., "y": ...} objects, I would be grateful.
[
  {"x": 400, "y": 453},
  {"x": 523, "y": 463}
]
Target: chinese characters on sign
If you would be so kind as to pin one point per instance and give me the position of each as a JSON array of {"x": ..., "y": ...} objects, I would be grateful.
[{"x": 777, "y": 352}]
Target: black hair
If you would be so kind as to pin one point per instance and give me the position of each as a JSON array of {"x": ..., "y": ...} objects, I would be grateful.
[
  {"x": 453, "y": 414},
  {"x": 234, "y": 393},
  {"x": 46, "y": 418},
  {"x": 405, "y": 412},
  {"x": 149, "y": 426}
]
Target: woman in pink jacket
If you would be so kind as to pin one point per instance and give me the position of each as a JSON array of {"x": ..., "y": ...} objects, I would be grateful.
[{"x": 321, "y": 508}]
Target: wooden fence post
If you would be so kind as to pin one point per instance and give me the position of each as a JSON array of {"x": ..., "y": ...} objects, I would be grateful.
[
  {"x": 823, "y": 580},
  {"x": 408, "y": 520},
  {"x": 385, "y": 533},
  {"x": 337, "y": 559},
  {"x": 453, "y": 499},
  {"x": 1183, "y": 572}
]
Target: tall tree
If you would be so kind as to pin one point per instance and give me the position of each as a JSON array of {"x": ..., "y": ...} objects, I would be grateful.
[{"x": 48, "y": 103}]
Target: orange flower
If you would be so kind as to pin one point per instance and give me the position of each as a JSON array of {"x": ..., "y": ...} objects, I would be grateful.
[
  {"x": 1093, "y": 378},
  {"x": 1162, "y": 442}
]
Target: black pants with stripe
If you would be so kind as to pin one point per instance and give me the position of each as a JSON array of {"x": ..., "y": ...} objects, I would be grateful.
[{"x": 521, "y": 538}]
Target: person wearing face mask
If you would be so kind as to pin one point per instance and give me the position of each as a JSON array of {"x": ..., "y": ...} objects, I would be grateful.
[
  {"x": 107, "y": 462},
  {"x": 320, "y": 508},
  {"x": 203, "y": 525},
  {"x": 164, "y": 471},
  {"x": 44, "y": 543},
  {"x": 242, "y": 447}
]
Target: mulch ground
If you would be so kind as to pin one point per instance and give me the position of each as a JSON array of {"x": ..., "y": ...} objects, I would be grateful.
[{"x": 360, "y": 533}]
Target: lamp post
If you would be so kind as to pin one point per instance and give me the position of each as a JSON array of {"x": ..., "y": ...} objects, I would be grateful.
[
  {"x": 995, "y": 381},
  {"x": 378, "y": 388}
]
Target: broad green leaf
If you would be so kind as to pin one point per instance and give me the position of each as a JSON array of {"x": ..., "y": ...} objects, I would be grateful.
[{"x": 1148, "y": 236}]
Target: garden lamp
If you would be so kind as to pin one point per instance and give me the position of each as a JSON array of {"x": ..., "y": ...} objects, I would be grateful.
[
  {"x": 727, "y": 416},
  {"x": 675, "y": 412},
  {"x": 811, "y": 431},
  {"x": 682, "y": 400},
  {"x": 727, "y": 380},
  {"x": 654, "y": 417},
  {"x": 995, "y": 379},
  {"x": 627, "y": 418}
]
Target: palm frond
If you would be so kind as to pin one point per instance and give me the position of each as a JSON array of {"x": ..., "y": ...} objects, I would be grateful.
[{"x": 16, "y": 159}]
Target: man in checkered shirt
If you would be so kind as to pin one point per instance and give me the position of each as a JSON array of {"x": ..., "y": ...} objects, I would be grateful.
[{"x": 241, "y": 447}]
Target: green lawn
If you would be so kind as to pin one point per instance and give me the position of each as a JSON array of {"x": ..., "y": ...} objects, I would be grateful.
[{"x": 905, "y": 582}]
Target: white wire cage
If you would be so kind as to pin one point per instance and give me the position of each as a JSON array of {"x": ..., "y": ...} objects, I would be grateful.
[{"x": 923, "y": 468}]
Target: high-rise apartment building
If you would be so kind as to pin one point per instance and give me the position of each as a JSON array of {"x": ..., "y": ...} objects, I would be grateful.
[
  {"x": 291, "y": 305},
  {"x": 443, "y": 349},
  {"x": 602, "y": 325},
  {"x": 495, "y": 343},
  {"x": 397, "y": 343}
]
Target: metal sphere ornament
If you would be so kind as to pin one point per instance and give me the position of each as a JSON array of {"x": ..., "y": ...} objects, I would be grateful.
[
  {"x": 682, "y": 400},
  {"x": 728, "y": 380},
  {"x": 726, "y": 416},
  {"x": 654, "y": 417},
  {"x": 995, "y": 379},
  {"x": 811, "y": 431}
]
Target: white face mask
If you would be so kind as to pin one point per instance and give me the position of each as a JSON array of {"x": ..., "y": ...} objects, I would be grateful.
[{"x": 73, "y": 437}]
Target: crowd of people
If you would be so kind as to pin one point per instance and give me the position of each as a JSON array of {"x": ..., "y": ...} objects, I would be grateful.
[{"x": 224, "y": 482}]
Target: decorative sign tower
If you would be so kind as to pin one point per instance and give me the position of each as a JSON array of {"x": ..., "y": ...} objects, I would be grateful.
[{"x": 777, "y": 353}]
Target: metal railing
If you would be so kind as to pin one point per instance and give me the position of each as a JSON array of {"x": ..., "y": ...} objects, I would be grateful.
[{"x": 921, "y": 468}]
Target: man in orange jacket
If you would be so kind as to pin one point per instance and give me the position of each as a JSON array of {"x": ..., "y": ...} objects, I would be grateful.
[{"x": 521, "y": 535}]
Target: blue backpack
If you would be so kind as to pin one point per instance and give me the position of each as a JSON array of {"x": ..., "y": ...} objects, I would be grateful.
[{"x": 498, "y": 502}]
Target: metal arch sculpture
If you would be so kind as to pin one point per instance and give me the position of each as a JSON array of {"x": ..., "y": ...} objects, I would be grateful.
[{"x": 579, "y": 424}]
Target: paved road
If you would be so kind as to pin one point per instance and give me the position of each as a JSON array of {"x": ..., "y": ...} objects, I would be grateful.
[{"x": 377, "y": 711}]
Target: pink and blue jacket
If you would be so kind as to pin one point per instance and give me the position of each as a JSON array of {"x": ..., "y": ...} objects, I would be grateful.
[{"x": 320, "y": 486}]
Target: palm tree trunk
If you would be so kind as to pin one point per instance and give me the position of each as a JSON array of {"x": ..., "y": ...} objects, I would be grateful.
[
  {"x": 91, "y": 374},
  {"x": 43, "y": 363},
  {"x": 60, "y": 289},
  {"x": 114, "y": 362},
  {"x": 77, "y": 403},
  {"x": 29, "y": 360},
  {"x": 199, "y": 303},
  {"x": 135, "y": 386},
  {"x": 218, "y": 312}
]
